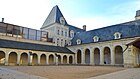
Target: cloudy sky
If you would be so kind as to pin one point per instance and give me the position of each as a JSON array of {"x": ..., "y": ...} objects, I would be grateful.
[{"x": 93, "y": 13}]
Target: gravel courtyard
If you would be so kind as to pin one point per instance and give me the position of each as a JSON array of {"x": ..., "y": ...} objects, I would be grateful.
[{"x": 65, "y": 72}]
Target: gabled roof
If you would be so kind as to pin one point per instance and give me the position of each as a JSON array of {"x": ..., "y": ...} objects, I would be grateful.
[
  {"x": 53, "y": 17},
  {"x": 128, "y": 29},
  {"x": 32, "y": 46}
]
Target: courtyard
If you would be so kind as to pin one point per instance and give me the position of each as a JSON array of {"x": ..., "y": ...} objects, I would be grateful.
[{"x": 65, "y": 72}]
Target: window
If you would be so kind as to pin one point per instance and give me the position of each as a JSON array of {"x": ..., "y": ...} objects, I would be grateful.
[
  {"x": 69, "y": 43},
  {"x": 65, "y": 34},
  {"x": 117, "y": 35},
  {"x": 61, "y": 42},
  {"x": 96, "y": 38},
  {"x": 78, "y": 41},
  {"x": 62, "y": 33},
  {"x": 57, "y": 42},
  {"x": 57, "y": 32},
  {"x": 71, "y": 33}
]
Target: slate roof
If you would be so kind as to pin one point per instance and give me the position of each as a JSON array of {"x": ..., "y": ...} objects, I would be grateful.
[
  {"x": 128, "y": 29},
  {"x": 32, "y": 46},
  {"x": 137, "y": 13},
  {"x": 53, "y": 17}
]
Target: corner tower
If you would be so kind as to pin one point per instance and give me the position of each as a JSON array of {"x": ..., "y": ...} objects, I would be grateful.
[
  {"x": 137, "y": 17},
  {"x": 57, "y": 27}
]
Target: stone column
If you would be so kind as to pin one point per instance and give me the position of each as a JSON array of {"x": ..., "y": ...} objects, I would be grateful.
[
  {"x": 18, "y": 59},
  {"x": 6, "y": 58},
  {"x": 38, "y": 61},
  {"x": 112, "y": 56},
  {"x": 30, "y": 56},
  {"x": 61, "y": 59},
  {"x": 83, "y": 57},
  {"x": 91, "y": 57},
  {"x": 47, "y": 59},
  {"x": 75, "y": 55},
  {"x": 101, "y": 56},
  {"x": 67, "y": 59}
]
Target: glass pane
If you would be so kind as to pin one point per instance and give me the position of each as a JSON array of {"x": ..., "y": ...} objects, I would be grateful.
[
  {"x": 2, "y": 29},
  {"x": 9, "y": 30},
  {"x": 32, "y": 34},
  {"x": 44, "y": 36},
  {"x": 38, "y": 35},
  {"x": 25, "y": 33}
]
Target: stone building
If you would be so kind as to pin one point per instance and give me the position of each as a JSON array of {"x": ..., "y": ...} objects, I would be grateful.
[{"x": 58, "y": 42}]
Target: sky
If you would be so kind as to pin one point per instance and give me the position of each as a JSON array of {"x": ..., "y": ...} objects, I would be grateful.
[{"x": 92, "y": 13}]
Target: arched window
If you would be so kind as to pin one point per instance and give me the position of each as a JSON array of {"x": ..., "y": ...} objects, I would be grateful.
[
  {"x": 78, "y": 41},
  {"x": 96, "y": 38},
  {"x": 117, "y": 35},
  {"x": 71, "y": 33}
]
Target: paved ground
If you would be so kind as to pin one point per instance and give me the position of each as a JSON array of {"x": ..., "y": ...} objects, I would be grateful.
[
  {"x": 133, "y": 73},
  {"x": 12, "y": 74},
  {"x": 65, "y": 72}
]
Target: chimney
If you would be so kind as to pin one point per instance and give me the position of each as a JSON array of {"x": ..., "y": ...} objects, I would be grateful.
[
  {"x": 84, "y": 27},
  {"x": 137, "y": 17},
  {"x": 2, "y": 19}
]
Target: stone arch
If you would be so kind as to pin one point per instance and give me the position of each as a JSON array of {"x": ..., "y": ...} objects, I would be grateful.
[
  {"x": 12, "y": 60},
  {"x": 51, "y": 59},
  {"x": 35, "y": 59},
  {"x": 59, "y": 59},
  {"x": 107, "y": 55},
  {"x": 118, "y": 55},
  {"x": 96, "y": 56},
  {"x": 2, "y": 57},
  {"x": 43, "y": 59},
  {"x": 70, "y": 59},
  {"x": 24, "y": 59},
  {"x": 79, "y": 58},
  {"x": 64, "y": 59},
  {"x": 87, "y": 56}
]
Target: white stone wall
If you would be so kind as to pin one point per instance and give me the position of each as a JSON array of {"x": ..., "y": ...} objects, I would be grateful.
[
  {"x": 53, "y": 33},
  {"x": 7, "y": 52},
  {"x": 128, "y": 58}
]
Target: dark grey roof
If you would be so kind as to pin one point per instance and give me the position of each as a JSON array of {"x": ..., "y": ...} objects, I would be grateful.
[
  {"x": 75, "y": 29},
  {"x": 128, "y": 29},
  {"x": 53, "y": 17},
  {"x": 137, "y": 13},
  {"x": 32, "y": 46}
]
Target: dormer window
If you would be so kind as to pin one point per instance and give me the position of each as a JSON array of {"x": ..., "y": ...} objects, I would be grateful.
[
  {"x": 96, "y": 38},
  {"x": 71, "y": 33},
  {"x": 69, "y": 43},
  {"x": 117, "y": 35},
  {"x": 78, "y": 41},
  {"x": 62, "y": 20}
]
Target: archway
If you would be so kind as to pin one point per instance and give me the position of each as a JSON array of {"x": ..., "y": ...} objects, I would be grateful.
[
  {"x": 118, "y": 55},
  {"x": 79, "y": 56},
  {"x": 51, "y": 59},
  {"x": 12, "y": 58},
  {"x": 59, "y": 59},
  {"x": 35, "y": 59},
  {"x": 24, "y": 59},
  {"x": 107, "y": 55},
  {"x": 87, "y": 56},
  {"x": 96, "y": 56},
  {"x": 64, "y": 59},
  {"x": 43, "y": 59},
  {"x": 70, "y": 60},
  {"x": 2, "y": 57}
]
